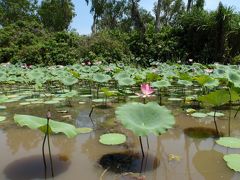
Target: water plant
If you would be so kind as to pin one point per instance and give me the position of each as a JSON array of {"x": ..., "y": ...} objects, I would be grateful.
[
  {"x": 48, "y": 127},
  {"x": 144, "y": 119}
]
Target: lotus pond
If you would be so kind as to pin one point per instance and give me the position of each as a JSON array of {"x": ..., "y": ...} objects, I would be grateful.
[{"x": 120, "y": 123}]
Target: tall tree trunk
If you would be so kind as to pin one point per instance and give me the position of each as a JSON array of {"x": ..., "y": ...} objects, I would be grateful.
[
  {"x": 137, "y": 18},
  {"x": 157, "y": 15},
  {"x": 94, "y": 24},
  {"x": 189, "y": 5}
]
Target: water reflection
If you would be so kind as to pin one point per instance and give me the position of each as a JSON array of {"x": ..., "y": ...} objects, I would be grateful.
[
  {"x": 32, "y": 168},
  {"x": 211, "y": 165},
  {"x": 25, "y": 138},
  {"x": 66, "y": 146}
]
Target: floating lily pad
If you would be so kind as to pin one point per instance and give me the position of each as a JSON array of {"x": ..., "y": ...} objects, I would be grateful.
[
  {"x": 190, "y": 110},
  {"x": 24, "y": 103},
  {"x": 37, "y": 102},
  {"x": 199, "y": 115},
  {"x": 62, "y": 111},
  {"x": 51, "y": 102},
  {"x": 3, "y": 107},
  {"x": 84, "y": 130},
  {"x": 144, "y": 119},
  {"x": 112, "y": 139},
  {"x": 2, "y": 118},
  {"x": 175, "y": 99},
  {"x": 217, "y": 114},
  {"x": 231, "y": 142},
  {"x": 233, "y": 161},
  {"x": 81, "y": 102},
  {"x": 31, "y": 100}
]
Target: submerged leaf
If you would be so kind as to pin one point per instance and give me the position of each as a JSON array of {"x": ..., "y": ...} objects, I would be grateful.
[
  {"x": 144, "y": 119},
  {"x": 112, "y": 139},
  {"x": 34, "y": 122}
]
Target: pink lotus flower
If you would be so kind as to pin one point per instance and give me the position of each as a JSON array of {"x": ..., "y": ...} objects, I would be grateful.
[{"x": 146, "y": 90}]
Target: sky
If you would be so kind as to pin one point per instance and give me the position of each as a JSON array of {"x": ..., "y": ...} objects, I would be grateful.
[{"x": 83, "y": 20}]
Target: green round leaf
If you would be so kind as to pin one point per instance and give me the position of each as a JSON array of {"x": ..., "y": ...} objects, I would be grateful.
[
  {"x": 84, "y": 130},
  {"x": 3, "y": 107},
  {"x": 144, "y": 119},
  {"x": 2, "y": 118},
  {"x": 34, "y": 122},
  {"x": 231, "y": 142},
  {"x": 112, "y": 139},
  {"x": 217, "y": 114},
  {"x": 199, "y": 115},
  {"x": 233, "y": 161},
  {"x": 175, "y": 99}
]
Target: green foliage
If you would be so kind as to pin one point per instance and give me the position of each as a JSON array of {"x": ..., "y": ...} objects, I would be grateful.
[
  {"x": 12, "y": 10},
  {"x": 56, "y": 15},
  {"x": 144, "y": 119}
]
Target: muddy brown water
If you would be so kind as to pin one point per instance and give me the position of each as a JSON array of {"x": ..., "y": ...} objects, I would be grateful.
[{"x": 177, "y": 155}]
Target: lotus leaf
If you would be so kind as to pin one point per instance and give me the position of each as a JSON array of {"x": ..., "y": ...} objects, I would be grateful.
[
  {"x": 234, "y": 77},
  {"x": 2, "y": 118},
  {"x": 233, "y": 161},
  {"x": 126, "y": 81},
  {"x": 161, "y": 84},
  {"x": 175, "y": 99},
  {"x": 84, "y": 130},
  {"x": 3, "y": 107},
  {"x": 190, "y": 110},
  {"x": 51, "y": 102},
  {"x": 199, "y": 115},
  {"x": 144, "y": 119},
  {"x": 217, "y": 114},
  {"x": 69, "y": 80},
  {"x": 231, "y": 142},
  {"x": 185, "y": 82},
  {"x": 34, "y": 122},
  {"x": 216, "y": 98},
  {"x": 101, "y": 78},
  {"x": 112, "y": 139},
  {"x": 122, "y": 75}
]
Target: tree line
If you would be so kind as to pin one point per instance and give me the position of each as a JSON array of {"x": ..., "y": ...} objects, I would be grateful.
[{"x": 37, "y": 32}]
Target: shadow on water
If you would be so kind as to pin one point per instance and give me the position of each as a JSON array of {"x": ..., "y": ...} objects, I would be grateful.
[
  {"x": 128, "y": 162},
  {"x": 201, "y": 132},
  {"x": 32, "y": 167}
]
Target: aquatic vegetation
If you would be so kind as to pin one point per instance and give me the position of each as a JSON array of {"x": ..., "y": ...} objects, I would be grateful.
[
  {"x": 144, "y": 119},
  {"x": 233, "y": 161},
  {"x": 112, "y": 139}
]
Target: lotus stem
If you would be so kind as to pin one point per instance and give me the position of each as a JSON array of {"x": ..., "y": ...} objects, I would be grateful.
[
  {"x": 237, "y": 112},
  {"x": 215, "y": 123},
  {"x": 229, "y": 122},
  {"x": 49, "y": 148},
  {"x": 147, "y": 142},
  {"x": 140, "y": 140},
  {"x": 90, "y": 114},
  {"x": 43, "y": 153}
]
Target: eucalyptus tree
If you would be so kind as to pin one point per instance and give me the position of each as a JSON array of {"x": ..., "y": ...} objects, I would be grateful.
[
  {"x": 166, "y": 11},
  {"x": 12, "y": 10},
  {"x": 113, "y": 13},
  {"x": 136, "y": 17},
  {"x": 97, "y": 9},
  {"x": 56, "y": 14}
]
